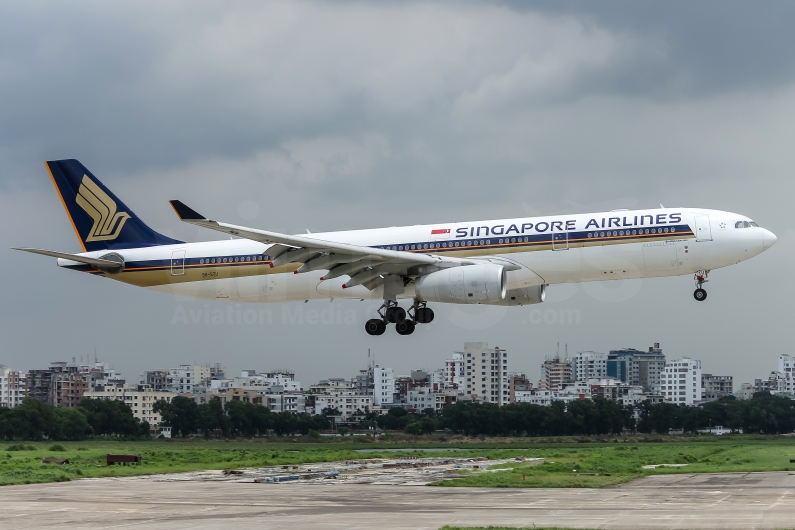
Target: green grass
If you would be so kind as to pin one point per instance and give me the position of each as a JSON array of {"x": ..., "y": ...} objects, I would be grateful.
[
  {"x": 22, "y": 463},
  {"x": 605, "y": 463}
]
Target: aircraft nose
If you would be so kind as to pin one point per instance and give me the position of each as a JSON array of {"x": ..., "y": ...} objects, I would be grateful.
[{"x": 768, "y": 238}]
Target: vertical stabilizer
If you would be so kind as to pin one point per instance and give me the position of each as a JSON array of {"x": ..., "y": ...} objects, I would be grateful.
[{"x": 101, "y": 221}]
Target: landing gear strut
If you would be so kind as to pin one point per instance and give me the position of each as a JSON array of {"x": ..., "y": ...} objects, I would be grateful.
[
  {"x": 405, "y": 321},
  {"x": 700, "y": 294}
]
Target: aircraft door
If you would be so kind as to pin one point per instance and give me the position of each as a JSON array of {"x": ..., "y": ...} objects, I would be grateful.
[
  {"x": 703, "y": 228},
  {"x": 560, "y": 238},
  {"x": 178, "y": 263}
]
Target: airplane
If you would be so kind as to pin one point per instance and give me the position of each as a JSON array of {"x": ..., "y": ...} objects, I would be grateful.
[{"x": 506, "y": 262}]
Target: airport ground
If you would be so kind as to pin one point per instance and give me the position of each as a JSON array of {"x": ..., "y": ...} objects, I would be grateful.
[
  {"x": 681, "y": 501},
  {"x": 567, "y": 462}
]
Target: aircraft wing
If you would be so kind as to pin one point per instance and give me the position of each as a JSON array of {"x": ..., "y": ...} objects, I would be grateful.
[{"x": 365, "y": 265}]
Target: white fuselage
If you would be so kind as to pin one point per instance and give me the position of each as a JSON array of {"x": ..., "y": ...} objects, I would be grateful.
[{"x": 546, "y": 250}]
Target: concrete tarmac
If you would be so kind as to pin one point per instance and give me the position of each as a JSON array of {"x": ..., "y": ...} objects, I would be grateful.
[{"x": 687, "y": 501}]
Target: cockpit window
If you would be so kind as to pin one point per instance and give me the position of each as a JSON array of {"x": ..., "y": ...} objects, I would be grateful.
[
  {"x": 745, "y": 224},
  {"x": 738, "y": 224},
  {"x": 753, "y": 224}
]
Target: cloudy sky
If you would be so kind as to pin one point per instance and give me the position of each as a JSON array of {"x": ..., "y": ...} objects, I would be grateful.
[{"x": 294, "y": 115}]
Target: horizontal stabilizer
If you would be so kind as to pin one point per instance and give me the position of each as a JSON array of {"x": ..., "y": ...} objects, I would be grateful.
[{"x": 101, "y": 264}]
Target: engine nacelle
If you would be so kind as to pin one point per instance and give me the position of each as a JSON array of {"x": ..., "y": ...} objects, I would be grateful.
[
  {"x": 471, "y": 284},
  {"x": 523, "y": 296}
]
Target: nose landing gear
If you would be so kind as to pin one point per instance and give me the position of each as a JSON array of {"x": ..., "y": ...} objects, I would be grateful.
[
  {"x": 405, "y": 321},
  {"x": 700, "y": 294}
]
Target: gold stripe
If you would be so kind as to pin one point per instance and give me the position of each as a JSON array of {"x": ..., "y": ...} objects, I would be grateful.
[{"x": 63, "y": 202}]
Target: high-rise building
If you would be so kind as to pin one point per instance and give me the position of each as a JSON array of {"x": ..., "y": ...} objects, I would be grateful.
[
  {"x": 716, "y": 386},
  {"x": 12, "y": 387},
  {"x": 454, "y": 371},
  {"x": 187, "y": 377},
  {"x": 637, "y": 368},
  {"x": 383, "y": 386},
  {"x": 555, "y": 373},
  {"x": 681, "y": 381},
  {"x": 589, "y": 365},
  {"x": 786, "y": 367},
  {"x": 486, "y": 373},
  {"x": 63, "y": 384}
]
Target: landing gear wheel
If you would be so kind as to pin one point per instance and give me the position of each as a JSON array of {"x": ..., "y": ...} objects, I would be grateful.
[
  {"x": 405, "y": 327},
  {"x": 375, "y": 326},
  {"x": 701, "y": 278},
  {"x": 424, "y": 315},
  {"x": 396, "y": 314}
]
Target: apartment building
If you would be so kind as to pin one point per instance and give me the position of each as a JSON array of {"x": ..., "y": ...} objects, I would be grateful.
[
  {"x": 637, "y": 368},
  {"x": 715, "y": 387},
  {"x": 455, "y": 371},
  {"x": 12, "y": 387},
  {"x": 681, "y": 382},
  {"x": 486, "y": 373},
  {"x": 555, "y": 373},
  {"x": 140, "y": 398},
  {"x": 383, "y": 386},
  {"x": 587, "y": 365},
  {"x": 348, "y": 402}
]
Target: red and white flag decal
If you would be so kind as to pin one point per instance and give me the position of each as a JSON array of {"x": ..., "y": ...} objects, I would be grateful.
[{"x": 440, "y": 233}]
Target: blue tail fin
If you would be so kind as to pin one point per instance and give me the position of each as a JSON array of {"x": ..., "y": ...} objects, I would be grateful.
[{"x": 100, "y": 219}]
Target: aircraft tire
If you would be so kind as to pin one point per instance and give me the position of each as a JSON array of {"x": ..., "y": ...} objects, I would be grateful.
[
  {"x": 424, "y": 315},
  {"x": 405, "y": 328},
  {"x": 396, "y": 314},
  {"x": 373, "y": 326},
  {"x": 700, "y": 294}
]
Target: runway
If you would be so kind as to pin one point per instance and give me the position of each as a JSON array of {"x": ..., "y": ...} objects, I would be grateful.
[{"x": 687, "y": 501}]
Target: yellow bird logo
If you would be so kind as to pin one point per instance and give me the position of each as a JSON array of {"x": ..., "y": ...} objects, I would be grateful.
[{"x": 102, "y": 209}]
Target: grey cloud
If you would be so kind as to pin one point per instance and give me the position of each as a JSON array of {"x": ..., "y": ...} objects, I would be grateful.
[{"x": 330, "y": 115}]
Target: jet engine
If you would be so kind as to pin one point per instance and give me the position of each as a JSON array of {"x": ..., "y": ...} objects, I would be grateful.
[
  {"x": 470, "y": 284},
  {"x": 523, "y": 296}
]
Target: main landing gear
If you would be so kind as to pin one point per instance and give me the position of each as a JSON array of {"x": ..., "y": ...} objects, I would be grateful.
[
  {"x": 405, "y": 321},
  {"x": 700, "y": 294}
]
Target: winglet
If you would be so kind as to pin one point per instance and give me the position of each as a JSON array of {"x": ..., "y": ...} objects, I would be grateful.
[{"x": 185, "y": 213}]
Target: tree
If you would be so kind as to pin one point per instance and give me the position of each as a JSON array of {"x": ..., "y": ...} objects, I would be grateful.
[
  {"x": 212, "y": 418},
  {"x": 69, "y": 424},
  {"x": 111, "y": 417},
  {"x": 181, "y": 414}
]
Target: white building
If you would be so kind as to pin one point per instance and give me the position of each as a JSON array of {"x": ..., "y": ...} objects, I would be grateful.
[
  {"x": 534, "y": 397},
  {"x": 421, "y": 399},
  {"x": 786, "y": 367},
  {"x": 589, "y": 365},
  {"x": 455, "y": 371},
  {"x": 681, "y": 382},
  {"x": 12, "y": 387},
  {"x": 383, "y": 386},
  {"x": 486, "y": 373},
  {"x": 746, "y": 391},
  {"x": 348, "y": 402},
  {"x": 250, "y": 380},
  {"x": 187, "y": 377},
  {"x": 141, "y": 399},
  {"x": 284, "y": 402}
]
